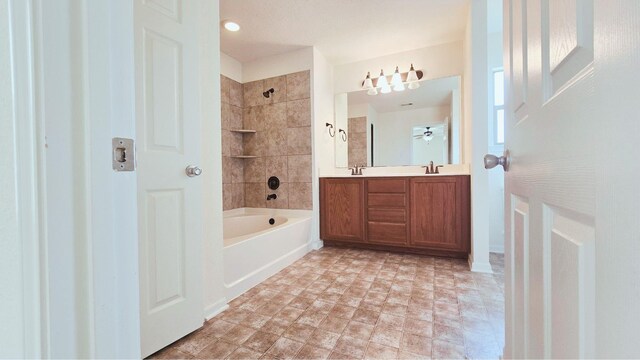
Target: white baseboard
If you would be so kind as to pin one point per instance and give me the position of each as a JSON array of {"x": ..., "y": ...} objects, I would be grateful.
[
  {"x": 498, "y": 249},
  {"x": 215, "y": 308},
  {"x": 317, "y": 244},
  {"x": 480, "y": 267}
]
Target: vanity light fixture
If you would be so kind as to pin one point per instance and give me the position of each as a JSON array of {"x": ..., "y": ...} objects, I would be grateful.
[
  {"x": 396, "y": 81},
  {"x": 383, "y": 84},
  {"x": 231, "y": 25},
  {"x": 368, "y": 85},
  {"x": 412, "y": 79}
]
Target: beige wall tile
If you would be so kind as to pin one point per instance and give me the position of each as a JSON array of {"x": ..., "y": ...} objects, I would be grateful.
[
  {"x": 253, "y": 118},
  {"x": 299, "y": 168},
  {"x": 227, "y": 177},
  {"x": 254, "y": 144},
  {"x": 282, "y": 201},
  {"x": 226, "y": 142},
  {"x": 358, "y": 140},
  {"x": 235, "y": 120},
  {"x": 357, "y": 157},
  {"x": 253, "y": 93},
  {"x": 275, "y": 142},
  {"x": 299, "y": 113},
  {"x": 236, "y": 147},
  {"x": 358, "y": 125},
  {"x": 299, "y": 141},
  {"x": 227, "y": 196},
  {"x": 298, "y": 85},
  {"x": 274, "y": 116},
  {"x": 279, "y": 84},
  {"x": 254, "y": 170},
  {"x": 238, "y": 195},
  {"x": 236, "y": 95},
  {"x": 226, "y": 114},
  {"x": 300, "y": 196},
  {"x": 276, "y": 166},
  {"x": 254, "y": 195},
  {"x": 224, "y": 89},
  {"x": 237, "y": 171}
]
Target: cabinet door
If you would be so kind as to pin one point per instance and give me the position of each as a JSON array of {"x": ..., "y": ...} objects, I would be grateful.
[
  {"x": 342, "y": 209},
  {"x": 440, "y": 213}
]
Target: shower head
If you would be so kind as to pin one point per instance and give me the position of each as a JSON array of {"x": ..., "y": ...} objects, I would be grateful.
[{"x": 268, "y": 93}]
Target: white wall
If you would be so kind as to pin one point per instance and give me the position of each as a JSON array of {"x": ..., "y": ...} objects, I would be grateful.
[
  {"x": 436, "y": 61},
  {"x": 394, "y": 133},
  {"x": 475, "y": 131},
  {"x": 210, "y": 68},
  {"x": 230, "y": 67},
  {"x": 322, "y": 102},
  {"x": 342, "y": 116},
  {"x": 277, "y": 65}
]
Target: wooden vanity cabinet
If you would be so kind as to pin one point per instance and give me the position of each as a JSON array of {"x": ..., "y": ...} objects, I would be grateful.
[
  {"x": 342, "y": 209},
  {"x": 427, "y": 215},
  {"x": 387, "y": 204},
  {"x": 440, "y": 214}
]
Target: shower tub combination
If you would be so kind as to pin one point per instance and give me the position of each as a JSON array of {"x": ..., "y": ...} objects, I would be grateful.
[{"x": 260, "y": 242}]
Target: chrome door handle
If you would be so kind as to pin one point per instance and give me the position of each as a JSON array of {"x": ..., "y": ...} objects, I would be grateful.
[
  {"x": 193, "y": 170},
  {"x": 491, "y": 161}
]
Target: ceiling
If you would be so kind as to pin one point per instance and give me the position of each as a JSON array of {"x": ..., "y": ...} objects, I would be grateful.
[
  {"x": 431, "y": 93},
  {"x": 343, "y": 30}
]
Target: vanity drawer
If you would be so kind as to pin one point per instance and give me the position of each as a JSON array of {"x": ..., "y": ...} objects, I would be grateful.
[
  {"x": 386, "y": 233},
  {"x": 386, "y": 185},
  {"x": 387, "y": 200},
  {"x": 387, "y": 215}
]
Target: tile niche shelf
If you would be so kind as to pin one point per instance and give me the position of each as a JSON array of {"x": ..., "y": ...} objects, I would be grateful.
[{"x": 243, "y": 131}]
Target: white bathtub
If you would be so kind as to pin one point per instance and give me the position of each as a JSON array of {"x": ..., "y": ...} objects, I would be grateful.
[{"x": 255, "y": 250}]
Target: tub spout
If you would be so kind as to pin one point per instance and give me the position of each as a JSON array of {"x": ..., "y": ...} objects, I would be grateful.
[{"x": 272, "y": 197}]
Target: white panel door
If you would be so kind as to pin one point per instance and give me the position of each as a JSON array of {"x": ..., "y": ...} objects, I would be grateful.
[
  {"x": 168, "y": 140},
  {"x": 571, "y": 195}
]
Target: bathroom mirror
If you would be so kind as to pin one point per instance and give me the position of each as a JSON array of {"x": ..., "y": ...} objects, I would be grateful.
[{"x": 411, "y": 127}]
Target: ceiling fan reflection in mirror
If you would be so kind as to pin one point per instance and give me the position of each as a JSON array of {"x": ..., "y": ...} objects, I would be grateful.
[{"x": 426, "y": 136}]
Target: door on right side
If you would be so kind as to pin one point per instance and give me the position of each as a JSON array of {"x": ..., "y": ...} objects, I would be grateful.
[{"x": 572, "y": 222}]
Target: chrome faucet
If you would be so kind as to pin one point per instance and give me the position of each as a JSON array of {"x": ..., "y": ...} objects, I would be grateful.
[
  {"x": 272, "y": 197},
  {"x": 357, "y": 169},
  {"x": 431, "y": 169}
]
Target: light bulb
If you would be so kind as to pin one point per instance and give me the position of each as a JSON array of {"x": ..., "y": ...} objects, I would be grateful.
[
  {"x": 372, "y": 91},
  {"x": 413, "y": 85},
  {"x": 368, "y": 83},
  {"x": 383, "y": 84},
  {"x": 396, "y": 81},
  {"x": 412, "y": 76},
  {"x": 231, "y": 26}
]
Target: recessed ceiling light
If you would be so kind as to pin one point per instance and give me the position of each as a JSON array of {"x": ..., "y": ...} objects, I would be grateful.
[{"x": 231, "y": 26}]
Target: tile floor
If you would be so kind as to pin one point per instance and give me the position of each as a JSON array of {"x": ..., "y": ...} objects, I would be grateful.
[{"x": 354, "y": 304}]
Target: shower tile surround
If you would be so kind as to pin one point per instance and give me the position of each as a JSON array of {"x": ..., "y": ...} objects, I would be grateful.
[
  {"x": 357, "y": 133},
  {"x": 359, "y": 304},
  {"x": 281, "y": 144}
]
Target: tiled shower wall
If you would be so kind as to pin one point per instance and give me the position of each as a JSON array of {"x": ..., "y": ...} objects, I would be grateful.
[
  {"x": 357, "y": 132},
  {"x": 232, "y": 169},
  {"x": 282, "y": 142}
]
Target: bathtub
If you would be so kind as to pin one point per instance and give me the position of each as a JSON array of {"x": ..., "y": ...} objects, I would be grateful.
[{"x": 254, "y": 249}]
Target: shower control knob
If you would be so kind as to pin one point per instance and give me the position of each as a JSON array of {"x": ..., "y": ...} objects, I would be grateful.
[{"x": 193, "y": 170}]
